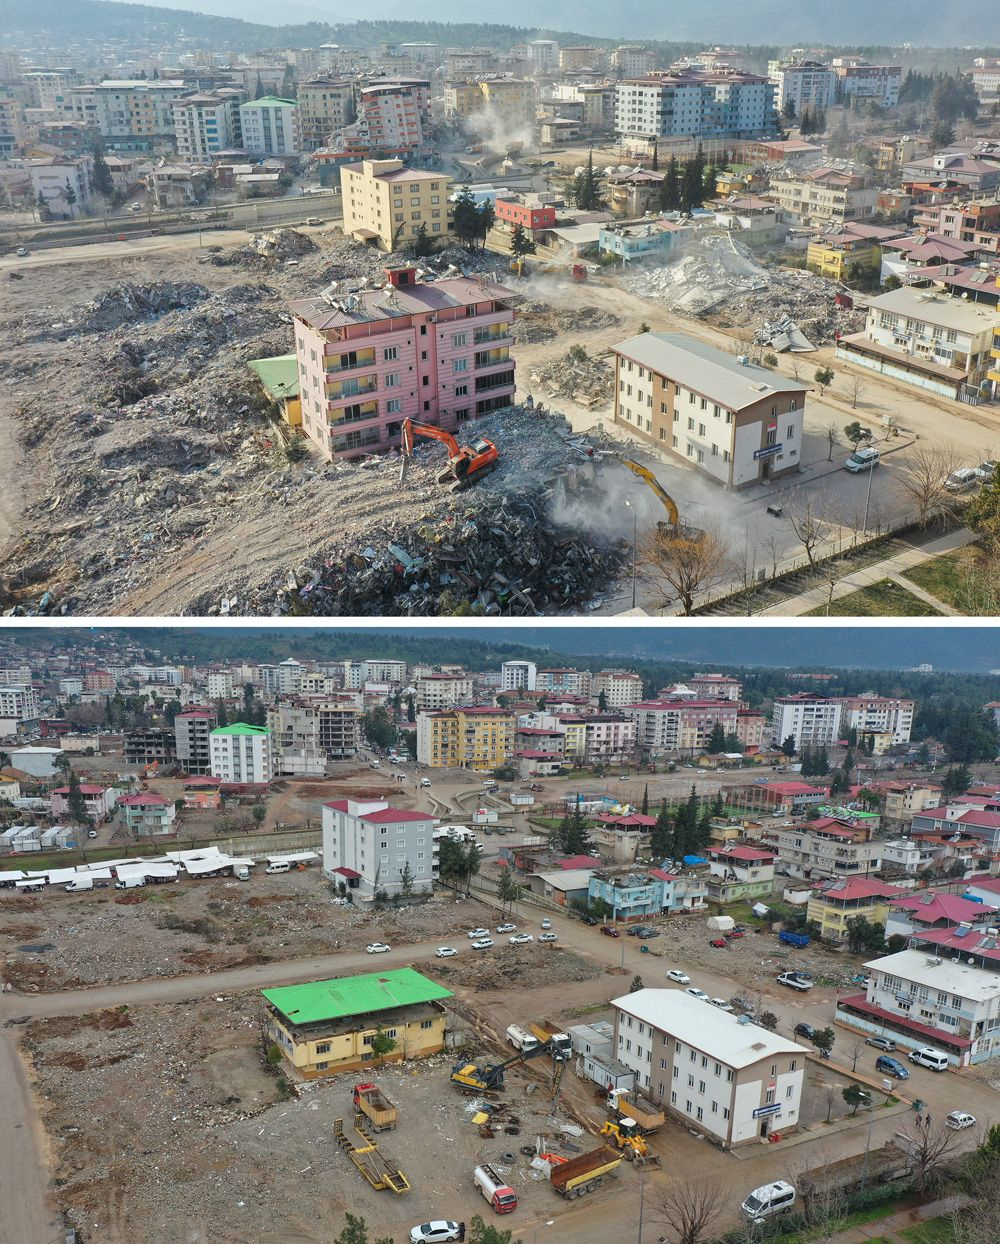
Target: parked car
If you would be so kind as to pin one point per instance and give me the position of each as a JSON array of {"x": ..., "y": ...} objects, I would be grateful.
[
  {"x": 546, "y": 923},
  {"x": 378, "y": 948},
  {"x": 22, "y": 251},
  {"x": 928, "y": 1056},
  {"x": 682, "y": 978},
  {"x": 700, "y": 994},
  {"x": 480, "y": 932},
  {"x": 892, "y": 1067},
  {"x": 313, "y": 220},
  {"x": 881, "y": 1043},
  {"x": 719, "y": 942},
  {"x": 986, "y": 471},
  {"x": 722, "y": 1004},
  {"x": 958, "y": 1120},
  {"x": 962, "y": 480},
  {"x": 637, "y": 930},
  {"x": 507, "y": 928},
  {"x": 591, "y": 920},
  {"x": 484, "y": 943},
  {"x": 445, "y": 952},
  {"x": 805, "y": 1030},
  {"x": 434, "y": 1232},
  {"x": 609, "y": 931},
  {"x": 519, "y": 939},
  {"x": 548, "y": 937},
  {"x": 864, "y": 459},
  {"x": 91, "y": 833}
]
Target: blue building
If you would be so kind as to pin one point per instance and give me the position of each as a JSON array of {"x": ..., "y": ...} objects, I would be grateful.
[
  {"x": 632, "y": 242},
  {"x": 638, "y": 895}
]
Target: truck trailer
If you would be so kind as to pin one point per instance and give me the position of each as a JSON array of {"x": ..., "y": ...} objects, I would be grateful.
[
  {"x": 552, "y": 1035},
  {"x": 372, "y": 1102},
  {"x": 628, "y": 1105},
  {"x": 585, "y": 1173}
]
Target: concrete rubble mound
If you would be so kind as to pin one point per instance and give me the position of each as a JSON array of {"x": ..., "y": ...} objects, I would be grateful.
[
  {"x": 539, "y": 321},
  {"x": 267, "y": 250},
  {"x": 587, "y": 381},
  {"x": 125, "y": 303},
  {"x": 783, "y": 335}
]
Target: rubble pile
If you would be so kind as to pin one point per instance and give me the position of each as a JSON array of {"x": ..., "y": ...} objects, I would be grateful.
[
  {"x": 587, "y": 381},
  {"x": 531, "y": 966},
  {"x": 125, "y": 303},
  {"x": 267, "y": 250},
  {"x": 539, "y": 321}
]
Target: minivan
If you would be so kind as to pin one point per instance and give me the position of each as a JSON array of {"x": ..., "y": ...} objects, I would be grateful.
[
  {"x": 928, "y": 1057},
  {"x": 425, "y": 781},
  {"x": 892, "y": 1067},
  {"x": 279, "y": 866},
  {"x": 771, "y": 1199},
  {"x": 864, "y": 459}
]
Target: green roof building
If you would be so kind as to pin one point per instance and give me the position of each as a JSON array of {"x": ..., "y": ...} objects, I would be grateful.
[
  {"x": 325, "y": 1027},
  {"x": 241, "y": 754}
]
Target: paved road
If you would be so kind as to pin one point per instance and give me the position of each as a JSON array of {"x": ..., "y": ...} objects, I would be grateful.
[{"x": 27, "y": 1215}]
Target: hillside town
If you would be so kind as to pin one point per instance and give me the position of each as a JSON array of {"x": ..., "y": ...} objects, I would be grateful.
[
  {"x": 292, "y": 919},
  {"x": 757, "y": 279}
]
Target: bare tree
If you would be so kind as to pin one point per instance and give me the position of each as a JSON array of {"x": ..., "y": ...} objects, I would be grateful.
[
  {"x": 748, "y": 572},
  {"x": 812, "y": 519},
  {"x": 921, "y": 475},
  {"x": 796, "y": 368},
  {"x": 822, "y": 1203},
  {"x": 978, "y": 591},
  {"x": 774, "y": 551},
  {"x": 855, "y": 389},
  {"x": 833, "y": 572},
  {"x": 689, "y": 1209},
  {"x": 857, "y": 1048},
  {"x": 927, "y": 1147},
  {"x": 832, "y": 439},
  {"x": 683, "y": 566}
]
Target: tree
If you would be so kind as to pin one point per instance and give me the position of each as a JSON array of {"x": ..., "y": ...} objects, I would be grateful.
[
  {"x": 483, "y": 1233},
  {"x": 487, "y": 219},
  {"x": 921, "y": 475},
  {"x": 928, "y": 1146},
  {"x": 768, "y": 1020},
  {"x": 683, "y": 567},
  {"x": 982, "y": 514},
  {"x": 101, "y": 174},
  {"x": 693, "y": 182},
  {"x": 636, "y": 984},
  {"x": 258, "y": 90},
  {"x": 378, "y": 727},
  {"x": 572, "y": 837},
  {"x": 660, "y": 839},
  {"x": 586, "y": 190},
  {"x": 806, "y": 126},
  {"x": 824, "y": 378},
  {"x": 70, "y": 195},
  {"x": 970, "y": 736},
  {"x": 831, "y": 440},
  {"x": 824, "y": 1039},
  {"x": 602, "y": 701},
  {"x": 423, "y": 243},
  {"x": 864, "y": 936},
  {"x": 812, "y": 520},
  {"x": 688, "y": 1210},
  {"x": 259, "y": 814},
  {"x": 520, "y": 243},
  {"x": 76, "y": 804},
  {"x": 644, "y": 808},
  {"x": 788, "y": 746},
  {"x": 406, "y": 881},
  {"x": 956, "y": 781},
  {"x": 382, "y": 1045},
  {"x": 465, "y": 219},
  {"x": 942, "y": 134},
  {"x": 411, "y": 708},
  {"x": 670, "y": 188},
  {"x": 788, "y": 111},
  {"x": 857, "y": 434},
  {"x": 716, "y": 741},
  {"x": 854, "y": 1095}
]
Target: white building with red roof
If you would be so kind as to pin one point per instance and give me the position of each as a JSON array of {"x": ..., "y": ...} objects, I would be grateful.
[
  {"x": 739, "y": 872},
  {"x": 933, "y": 911},
  {"x": 147, "y": 814},
  {"x": 99, "y": 801},
  {"x": 390, "y": 849}
]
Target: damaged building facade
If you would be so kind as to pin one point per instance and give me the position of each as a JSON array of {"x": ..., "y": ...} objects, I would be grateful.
[
  {"x": 434, "y": 352},
  {"x": 738, "y": 423}
]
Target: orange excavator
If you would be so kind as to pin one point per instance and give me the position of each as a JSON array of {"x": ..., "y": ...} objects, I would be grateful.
[{"x": 466, "y": 463}]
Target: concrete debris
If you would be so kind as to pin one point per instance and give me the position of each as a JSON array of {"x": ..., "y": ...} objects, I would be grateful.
[
  {"x": 125, "y": 303},
  {"x": 268, "y": 250},
  {"x": 538, "y": 321},
  {"x": 782, "y": 335},
  {"x": 588, "y": 382}
]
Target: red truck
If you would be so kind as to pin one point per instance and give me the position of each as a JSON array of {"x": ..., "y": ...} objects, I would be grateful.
[{"x": 500, "y": 1195}]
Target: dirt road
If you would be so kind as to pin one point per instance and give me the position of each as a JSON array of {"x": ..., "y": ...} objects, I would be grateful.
[{"x": 26, "y": 1215}]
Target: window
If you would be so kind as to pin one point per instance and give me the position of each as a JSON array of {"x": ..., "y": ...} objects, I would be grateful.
[
  {"x": 459, "y": 339},
  {"x": 423, "y": 330},
  {"x": 426, "y": 1023},
  {"x": 791, "y": 431},
  {"x": 729, "y": 1075},
  {"x": 774, "y": 1069},
  {"x": 793, "y": 1064},
  {"x": 676, "y": 1074},
  {"x": 725, "y": 1112},
  {"x": 701, "y": 1086},
  {"x": 390, "y": 353},
  {"x": 392, "y": 406},
  {"x": 324, "y": 1048},
  {"x": 461, "y": 390},
  {"x": 789, "y": 1091},
  {"x": 715, "y": 1107},
  {"x": 673, "y": 1099},
  {"x": 673, "y": 440},
  {"x": 699, "y": 1113},
  {"x": 391, "y": 380},
  {"x": 691, "y": 399},
  {"x": 769, "y": 1097},
  {"x": 690, "y": 424},
  {"x": 701, "y": 429},
  {"x": 693, "y": 1055},
  {"x": 690, "y": 1081}
]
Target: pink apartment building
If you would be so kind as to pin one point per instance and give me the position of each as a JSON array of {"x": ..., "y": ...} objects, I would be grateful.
[{"x": 438, "y": 353}]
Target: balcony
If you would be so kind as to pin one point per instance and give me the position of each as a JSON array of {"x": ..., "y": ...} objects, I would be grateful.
[
  {"x": 492, "y": 358},
  {"x": 356, "y": 387},
  {"x": 349, "y": 361},
  {"x": 361, "y": 412},
  {"x": 486, "y": 336}
]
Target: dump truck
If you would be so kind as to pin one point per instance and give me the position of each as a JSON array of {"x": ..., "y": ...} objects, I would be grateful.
[
  {"x": 552, "y": 1035},
  {"x": 585, "y": 1173},
  {"x": 371, "y": 1101},
  {"x": 626, "y": 1105},
  {"x": 788, "y": 938}
]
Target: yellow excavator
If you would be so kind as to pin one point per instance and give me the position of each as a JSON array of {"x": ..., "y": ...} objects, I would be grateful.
[
  {"x": 625, "y": 1136},
  {"x": 669, "y": 504}
]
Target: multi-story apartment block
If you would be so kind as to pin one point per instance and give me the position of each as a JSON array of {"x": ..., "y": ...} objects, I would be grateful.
[
  {"x": 636, "y": 896},
  {"x": 467, "y": 62},
  {"x": 152, "y": 745},
  {"x": 270, "y": 126},
  {"x": 518, "y": 676},
  {"x": 241, "y": 754},
  {"x": 50, "y": 88},
  {"x": 805, "y": 84},
  {"x": 208, "y": 122},
  {"x": 564, "y": 681},
  {"x": 98, "y": 801},
  {"x": 679, "y": 726},
  {"x": 739, "y": 423},
  {"x": 288, "y": 676},
  {"x": 808, "y": 719},
  {"x": 389, "y": 205},
  {"x": 16, "y": 676},
  {"x": 878, "y": 715},
  {"x": 595, "y": 99},
  {"x": 975, "y": 221},
  {"x": 219, "y": 685},
  {"x": 383, "y": 670},
  {"x": 826, "y": 848},
  {"x": 985, "y": 75},
  {"x": 846, "y": 899},
  {"x": 609, "y": 739},
  {"x": 631, "y": 61},
  {"x": 695, "y": 102},
  {"x": 295, "y": 741},
  {"x": 131, "y": 115},
  {"x": 584, "y": 57},
  {"x": 619, "y": 687},
  {"x": 20, "y": 710},
  {"x": 422, "y": 53},
  {"x": 437, "y": 691},
  {"x": 379, "y": 847},
  {"x": 822, "y": 196},
  {"x": 64, "y": 182},
  {"x": 944, "y": 992},
  {"x": 438, "y": 353},
  {"x": 192, "y": 743},
  {"x": 393, "y": 118},
  {"x": 13, "y": 127},
  {"x": 325, "y": 106},
  {"x": 902, "y": 800},
  {"x": 465, "y": 738},
  {"x": 733, "y": 1079},
  {"x": 715, "y": 687},
  {"x": 857, "y": 80},
  {"x": 510, "y": 101},
  {"x": 543, "y": 55},
  {"x": 750, "y": 728},
  {"x": 739, "y": 872},
  {"x": 927, "y": 340},
  {"x": 147, "y": 814}
]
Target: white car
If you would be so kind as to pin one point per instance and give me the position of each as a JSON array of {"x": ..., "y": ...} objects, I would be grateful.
[
  {"x": 682, "y": 978},
  {"x": 722, "y": 1004},
  {"x": 378, "y": 948},
  {"x": 520, "y": 939},
  {"x": 473, "y": 933},
  {"x": 483, "y": 944},
  {"x": 546, "y": 923},
  {"x": 698, "y": 993},
  {"x": 962, "y": 480},
  {"x": 507, "y": 928},
  {"x": 548, "y": 937},
  {"x": 958, "y": 1120},
  {"x": 434, "y": 1232},
  {"x": 445, "y": 952}
]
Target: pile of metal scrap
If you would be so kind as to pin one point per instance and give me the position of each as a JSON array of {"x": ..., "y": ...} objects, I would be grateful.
[{"x": 782, "y": 335}]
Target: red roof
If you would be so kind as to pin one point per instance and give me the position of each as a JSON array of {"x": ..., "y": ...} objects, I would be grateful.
[
  {"x": 390, "y": 816},
  {"x": 830, "y": 825},
  {"x": 852, "y": 888},
  {"x": 940, "y": 1036},
  {"x": 992, "y": 884},
  {"x": 985, "y": 820},
  {"x": 338, "y": 805},
  {"x": 794, "y": 788},
  {"x": 633, "y": 819},
  {"x": 749, "y": 854},
  {"x": 197, "y": 712},
  {"x": 347, "y": 872},
  {"x": 201, "y": 781},
  {"x": 84, "y": 790},
  {"x": 941, "y": 906},
  {"x": 577, "y": 861}
]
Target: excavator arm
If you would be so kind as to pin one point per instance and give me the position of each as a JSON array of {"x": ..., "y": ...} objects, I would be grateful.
[
  {"x": 465, "y": 463},
  {"x": 648, "y": 478}
]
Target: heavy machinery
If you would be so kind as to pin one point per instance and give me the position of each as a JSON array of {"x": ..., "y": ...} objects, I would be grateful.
[
  {"x": 584, "y": 1173},
  {"x": 626, "y": 1107},
  {"x": 578, "y": 272},
  {"x": 673, "y": 523},
  {"x": 626, "y": 1136},
  {"x": 371, "y": 1101},
  {"x": 377, "y": 1167},
  {"x": 489, "y": 1079},
  {"x": 467, "y": 464}
]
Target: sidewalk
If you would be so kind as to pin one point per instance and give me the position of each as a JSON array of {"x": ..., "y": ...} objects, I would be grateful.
[
  {"x": 891, "y": 568},
  {"x": 888, "y": 1228}
]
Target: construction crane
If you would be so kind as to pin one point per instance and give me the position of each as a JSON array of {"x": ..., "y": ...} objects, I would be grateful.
[
  {"x": 489, "y": 1079},
  {"x": 669, "y": 504},
  {"x": 466, "y": 463}
]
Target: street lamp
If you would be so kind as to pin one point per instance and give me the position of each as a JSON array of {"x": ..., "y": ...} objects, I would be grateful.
[
  {"x": 868, "y": 498},
  {"x": 635, "y": 534}
]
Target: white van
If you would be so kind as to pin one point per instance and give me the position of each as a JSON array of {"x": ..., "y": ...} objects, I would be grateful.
[
  {"x": 768, "y": 1200},
  {"x": 928, "y": 1057},
  {"x": 279, "y": 866},
  {"x": 425, "y": 781},
  {"x": 78, "y": 884}
]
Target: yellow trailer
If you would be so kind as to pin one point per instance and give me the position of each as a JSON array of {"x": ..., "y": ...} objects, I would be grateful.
[{"x": 379, "y": 1169}]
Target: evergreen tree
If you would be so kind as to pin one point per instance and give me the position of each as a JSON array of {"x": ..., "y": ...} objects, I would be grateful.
[
  {"x": 221, "y": 719},
  {"x": 822, "y": 762},
  {"x": 487, "y": 219},
  {"x": 258, "y": 91},
  {"x": 602, "y": 703},
  {"x": 716, "y": 741},
  {"x": 808, "y": 761},
  {"x": 819, "y": 121},
  {"x": 805, "y": 123},
  {"x": 788, "y": 111},
  {"x": 661, "y": 838},
  {"x": 76, "y": 805},
  {"x": 520, "y": 243},
  {"x": 788, "y": 746},
  {"x": 586, "y": 190},
  {"x": 693, "y": 185},
  {"x": 572, "y": 837},
  {"x": 670, "y": 188},
  {"x": 465, "y": 220},
  {"x": 103, "y": 183},
  {"x": 411, "y": 708},
  {"x": 645, "y": 800},
  {"x": 655, "y": 162}
]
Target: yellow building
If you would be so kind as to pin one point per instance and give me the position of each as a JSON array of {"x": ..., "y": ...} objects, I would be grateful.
[
  {"x": 512, "y": 100},
  {"x": 279, "y": 378},
  {"x": 386, "y": 203},
  {"x": 463, "y": 99},
  {"x": 575, "y": 733},
  {"x": 846, "y": 899},
  {"x": 994, "y": 372},
  {"x": 466, "y": 738},
  {"x": 325, "y": 1027}
]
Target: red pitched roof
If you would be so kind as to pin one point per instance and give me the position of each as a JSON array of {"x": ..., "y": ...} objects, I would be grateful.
[
  {"x": 794, "y": 788},
  {"x": 860, "y": 1003},
  {"x": 941, "y": 906},
  {"x": 749, "y": 854},
  {"x": 338, "y": 805},
  {"x": 192, "y": 782},
  {"x": 577, "y": 861},
  {"x": 390, "y": 816},
  {"x": 84, "y": 790},
  {"x": 633, "y": 819},
  {"x": 347, "y": 872},
  {"x": 852, "y": 888}
]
